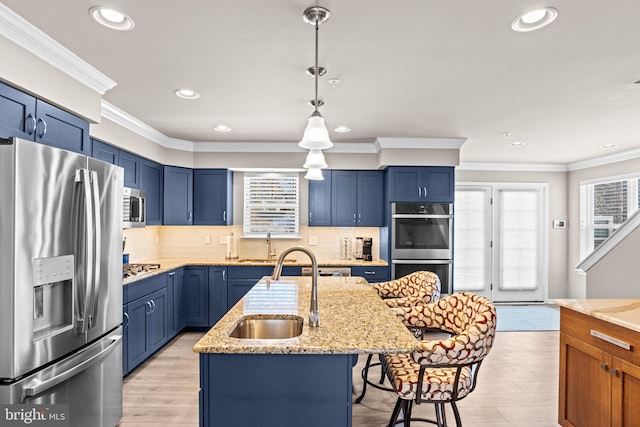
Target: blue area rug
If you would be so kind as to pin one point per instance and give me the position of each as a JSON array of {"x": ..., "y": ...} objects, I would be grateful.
[{"x": 528, "y": 318}]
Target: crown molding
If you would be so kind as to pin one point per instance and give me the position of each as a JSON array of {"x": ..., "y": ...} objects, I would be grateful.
[
  {"x": 32, "y": 39},
  {"x": 433, "y": 143},
  {"x": 604, "y": 160},
  {"x": 517, "y": 167}
]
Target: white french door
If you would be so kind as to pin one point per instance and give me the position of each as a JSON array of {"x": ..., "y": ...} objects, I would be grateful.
[{"x": 500, "y": 241}]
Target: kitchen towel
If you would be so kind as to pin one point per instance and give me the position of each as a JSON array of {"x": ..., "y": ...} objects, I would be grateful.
[{"x": 232, "y": 247}]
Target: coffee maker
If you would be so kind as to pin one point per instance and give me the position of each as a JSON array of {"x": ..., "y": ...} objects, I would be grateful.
[{"x": 367, "y": 243}]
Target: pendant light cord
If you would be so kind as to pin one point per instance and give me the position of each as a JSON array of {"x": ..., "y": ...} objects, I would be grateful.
[{"x": 317, "y": 71}]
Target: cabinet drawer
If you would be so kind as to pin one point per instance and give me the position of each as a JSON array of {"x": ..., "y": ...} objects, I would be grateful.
[
  {"x": 144, "y": 287},
  {"x": 249, "y": 272},
  {"x": 601, "y": 334}
]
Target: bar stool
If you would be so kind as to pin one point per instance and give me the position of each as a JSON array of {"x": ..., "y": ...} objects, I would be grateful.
[
  {"x": 417, "y": 288},
  {"x": 446, "y": 370}
]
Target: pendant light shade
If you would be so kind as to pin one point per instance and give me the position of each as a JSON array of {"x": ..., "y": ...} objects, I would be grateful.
[
  {"x": 315, "y": 160},
  {"x": 316, "y": 135},
  {"x": 314, "y": 174}
]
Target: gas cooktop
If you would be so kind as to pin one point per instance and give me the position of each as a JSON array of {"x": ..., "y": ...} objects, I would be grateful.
[{"x": 130, "y": 270}]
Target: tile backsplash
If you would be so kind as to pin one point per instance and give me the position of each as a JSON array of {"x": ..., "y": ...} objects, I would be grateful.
[{"x": 206, "y": 241}]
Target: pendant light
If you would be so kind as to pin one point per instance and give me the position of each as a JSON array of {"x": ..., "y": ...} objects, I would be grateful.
[
  {"x": 314, "y": 174},
  {"x": 315, "y": 160},
  {"x": 316, "y": 135}
]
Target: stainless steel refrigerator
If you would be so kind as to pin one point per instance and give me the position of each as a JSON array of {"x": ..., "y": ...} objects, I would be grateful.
[{"x": 61, "y": 282}]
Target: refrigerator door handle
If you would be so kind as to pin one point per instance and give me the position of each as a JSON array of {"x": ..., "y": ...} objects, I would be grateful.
[
  {"x": 84, "y": 250},
  {"x": 97, "y": 256},
  {"x": 36, "y": 386}
]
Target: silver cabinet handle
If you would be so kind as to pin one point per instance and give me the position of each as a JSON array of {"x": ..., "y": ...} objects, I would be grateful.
[
  {"x": 373, "y": 273},
  {"x": 148, "y": 304},
  {"x": 419, "y": 192},
  {"x": 30, "y": 129},
  {"x": 224, "y": 275},
  {"x": 126, "y": 316},
  {"x": 354, "y": 217},
  {"x": 610, "y": 339},
  {"x": 224, "y": 215},
  {"x": 189, "y": 216},
  {"x": 44, "y": 127},
  {"x": 153, "y": 303},
  {"x": 172, "y": 274},
  {"x": 425, "y": 191}
]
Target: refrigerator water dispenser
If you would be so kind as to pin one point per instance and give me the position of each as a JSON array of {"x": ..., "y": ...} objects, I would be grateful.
[{"x": 52, "y": 295}]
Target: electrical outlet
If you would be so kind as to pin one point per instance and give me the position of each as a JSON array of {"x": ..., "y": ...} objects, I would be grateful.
[
  {"x": 223, "y": 240},
  {"x": 313, "y": 240},
  {"x": 207, "y": 240}
]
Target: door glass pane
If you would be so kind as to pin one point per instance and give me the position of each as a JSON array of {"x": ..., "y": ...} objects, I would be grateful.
[
  {"x": 519, "y": 239},
  {"x": 470, "y": 242}
]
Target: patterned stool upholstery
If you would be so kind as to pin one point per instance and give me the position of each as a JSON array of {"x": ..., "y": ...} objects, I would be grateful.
[
  {"x": 442, "y": 371},
  {"x": 418, "y": 288}
]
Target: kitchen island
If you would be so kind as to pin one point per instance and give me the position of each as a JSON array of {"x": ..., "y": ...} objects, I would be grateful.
[
  {"x": 305, "y": 380},
  {"x": 599, "y": 362}
]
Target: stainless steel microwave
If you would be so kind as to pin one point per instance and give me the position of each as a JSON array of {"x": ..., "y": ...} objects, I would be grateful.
[{"x": 134, "y": 208}]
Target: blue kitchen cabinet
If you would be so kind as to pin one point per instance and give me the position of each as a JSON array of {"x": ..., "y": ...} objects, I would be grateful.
[
  {"x": 241, "y": 280},
  {"x": 372, "y": 274},
  {"x": 151, "y": 181},
  {"x": 27, "y": 117},
  {"x": 105, "y": 152},
  {"x": 175, "y": 292},
  {"x": 146, "y": 303},
  {"x": 432, "y": 184},
  {"x": 131, "y": 165},
  {"x": 178, "y": 196},
  {"x": 320, "y": 200},
  {"x": 217, "y": 294},
  {"x": 196, "y": 298},
  {"x": 125, "y": 340},
  {"x": 17, "y": 113},
  {"x": 212, "y": 197},
  {"x": 357, "y": 198}
]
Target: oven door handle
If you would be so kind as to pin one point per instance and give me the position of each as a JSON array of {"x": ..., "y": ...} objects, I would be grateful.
[
  {"x": 422, "y": 261},
  {"x": 36, "y": 386},
  {"x": 421, "y": 216}
]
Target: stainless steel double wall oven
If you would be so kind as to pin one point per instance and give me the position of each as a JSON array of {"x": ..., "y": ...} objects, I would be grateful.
[{"x": 422, "y": 239}]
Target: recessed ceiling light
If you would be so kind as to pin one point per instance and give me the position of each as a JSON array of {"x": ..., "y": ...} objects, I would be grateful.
[
  {"x": 517, "y": 144},
  {"x": 608, "y": 146},
  {"x": 111, "y": 18},
  {"x": 534, "y": 19},
  {"x": 222, "y": 128},
  {"x": 186, "y": 93},
  {"x": 342, "y": 129}
]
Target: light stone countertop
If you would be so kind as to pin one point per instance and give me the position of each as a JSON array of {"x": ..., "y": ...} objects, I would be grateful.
[
  {"x": 621, "y": 312},
  {"x": 353, "y": 319},
  {"x": 168, "y": 264}
]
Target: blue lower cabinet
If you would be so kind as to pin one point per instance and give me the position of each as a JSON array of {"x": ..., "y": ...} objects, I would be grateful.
[
  {"x": 372, "y": 274},
  {"x": 279, "y": 390},
  {"x": 176, "y": 314},
  {"x": 241, "y": 280},
  {"x": 125, "y": 333},
  {"x": 217, "y": 294},
  {"x": 195, "y": 295}
]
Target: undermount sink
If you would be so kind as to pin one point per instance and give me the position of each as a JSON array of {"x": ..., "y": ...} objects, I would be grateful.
[
  {"x": 263, "y": 327},
  {"x": 261, "y": 261}
]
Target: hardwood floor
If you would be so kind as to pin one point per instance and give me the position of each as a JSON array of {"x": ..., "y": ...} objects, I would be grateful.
[{"x": 517, "y": 387}]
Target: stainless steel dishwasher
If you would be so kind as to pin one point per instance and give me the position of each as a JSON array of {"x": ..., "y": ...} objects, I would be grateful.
[{"x": 328, "y": 271}]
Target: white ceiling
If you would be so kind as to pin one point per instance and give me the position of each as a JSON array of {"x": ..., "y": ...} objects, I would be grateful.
[{"x": 408, "y": 68}]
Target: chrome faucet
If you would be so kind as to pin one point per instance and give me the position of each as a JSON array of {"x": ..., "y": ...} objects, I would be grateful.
[
  {"x": 271, "y": 252},
  {"x": 314, "y": 314}
]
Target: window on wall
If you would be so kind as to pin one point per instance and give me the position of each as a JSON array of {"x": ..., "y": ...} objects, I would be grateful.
[
  {"x": 604, "y": 206},
  {"x": 271, "y": 204}
]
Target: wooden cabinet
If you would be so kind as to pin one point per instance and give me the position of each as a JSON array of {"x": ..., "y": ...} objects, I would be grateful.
[
  {"x": 26, "y": 117},
  {"x": 320, "y": 200},
  {"x": 372, "y": 274},
  {"x": 212, "y": 197},
  {"x": 196, "y": 298},
  {"x": 178, "y": 196},
  {"x": 151, "y": 181},
  {"x": 599, "y": 378},
  {"x": 435, "y": 184}
]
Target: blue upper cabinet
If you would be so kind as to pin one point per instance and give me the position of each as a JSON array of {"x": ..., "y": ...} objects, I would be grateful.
[
  {"x": 212, "y": 197},
  {"x": 357, "y": 198},
  {"x": 344, "y": 202},
  {"x": 151, "y": 181},
  {"x": 370, "y": 198},
  {"x": 320, "y": 200},
  {"x": 60, "y": 129},
  {"x": 24, "y": 116},
  {"x": 17, "y": 113},
  {"x": 178, "y": 196},
  {"x": 435, "y": 184},
  {"x": 131, "y": 165},
  {"x": 105, "y": 152}
]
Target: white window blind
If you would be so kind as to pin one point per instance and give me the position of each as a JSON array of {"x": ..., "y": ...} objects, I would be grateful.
[
  {"x": 604, "y": 206},
  {"x": 271, "y": 204}
]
